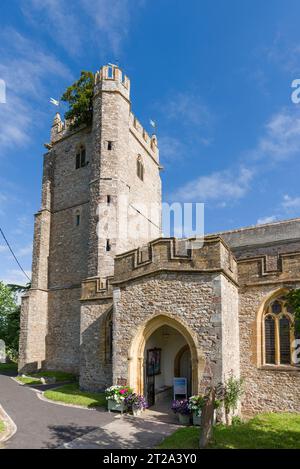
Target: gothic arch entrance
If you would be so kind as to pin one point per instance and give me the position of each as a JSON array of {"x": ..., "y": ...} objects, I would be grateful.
[{"x": 171, "y": 336}]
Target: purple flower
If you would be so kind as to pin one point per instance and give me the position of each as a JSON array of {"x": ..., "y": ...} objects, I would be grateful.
[
  {"x": 181, "y": 407},
  {"x": 135, "y": 401}
]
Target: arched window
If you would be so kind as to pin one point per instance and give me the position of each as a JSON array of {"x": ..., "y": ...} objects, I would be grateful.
[
  {"x": 140, "y": 168},
  {"x": 270, "y": 340},
  {"x": 109, "y": 338},
  {"x": 279, "y": 333},
  {"x": 81, "y": 157}
]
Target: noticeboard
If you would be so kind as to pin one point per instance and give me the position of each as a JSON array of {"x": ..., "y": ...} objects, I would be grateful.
[{"x": 180, "y": 387}]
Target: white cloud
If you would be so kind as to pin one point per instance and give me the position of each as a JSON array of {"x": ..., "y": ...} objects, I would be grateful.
[
  {"x": 282, "y": 137},
  {"x": 58, "y": 19},
  {"x": 15, "y": 276},
  {"x": 3, "y": 198},
  {"x": 290, "y": 203},
  {"x": 27, "y": 70},
  {"x": 3, "y": 248},
  {"x": 24, "y": 251},
  {"x": 284, "y": 54},
  {"x": 280, "y": 142},
  {"x": 170, "y": 148},
  {"x": 78, "y": 24},
  {"x": 219, "y": 187},
  {"x": 111, "y": 19},
  {"x": 188, "y": 108},
  {"x": 268, "y": 219},
  {"x": 289, "y": 206}
]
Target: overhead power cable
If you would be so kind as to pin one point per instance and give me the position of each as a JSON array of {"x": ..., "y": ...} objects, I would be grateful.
[{"x": 14, "y": 256}]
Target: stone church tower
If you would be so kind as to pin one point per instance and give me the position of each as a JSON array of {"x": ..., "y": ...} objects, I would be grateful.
[
  {"x": 114, "y": 303},
  {"x": 94, "y": 181}
]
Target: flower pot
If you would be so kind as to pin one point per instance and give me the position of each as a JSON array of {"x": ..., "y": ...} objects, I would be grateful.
[
  {"x": 196, "y": 419},
  {"x": 184, "y": 419},
  {"x": 117, "y": 406}
]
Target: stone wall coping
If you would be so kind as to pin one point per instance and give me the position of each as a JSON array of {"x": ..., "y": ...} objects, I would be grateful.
[
  {"x": 266, "y": 244},
  {"x": 260, "y": 235},
  {"x": 255, "y": 227}
]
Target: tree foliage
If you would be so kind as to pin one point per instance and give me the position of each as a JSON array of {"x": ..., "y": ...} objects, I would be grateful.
[
  {"x": 79, "y": 97},
  {"x": 10, "y": 317},
  {"x": 233, "y": 393},
  {"x": 293, "y": 301}
]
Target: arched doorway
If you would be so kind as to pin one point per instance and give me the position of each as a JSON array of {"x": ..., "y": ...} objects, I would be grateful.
[{"x": 159, "y": 342}]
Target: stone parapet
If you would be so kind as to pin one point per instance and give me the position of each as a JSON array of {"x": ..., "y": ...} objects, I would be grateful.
[
  {"x": 149, "y": 143},
  {"x": 280, "y": 267},
  {"x": 169, "y": 254}
]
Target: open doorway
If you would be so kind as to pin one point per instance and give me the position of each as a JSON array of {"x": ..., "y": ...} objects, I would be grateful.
[{"x": 166, "y": 355}]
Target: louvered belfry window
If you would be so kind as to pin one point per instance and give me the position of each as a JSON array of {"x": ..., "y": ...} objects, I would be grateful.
[
  {"x": 80, "y": 157},
  {"x": 278, "y": 334}
]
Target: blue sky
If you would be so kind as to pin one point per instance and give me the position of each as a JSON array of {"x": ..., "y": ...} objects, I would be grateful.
[{"x": 216, "y": 76}]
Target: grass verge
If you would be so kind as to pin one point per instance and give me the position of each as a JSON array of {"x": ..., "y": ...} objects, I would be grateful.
[
  {"x": 8, "y": 367},
  {"x": 2, "y": 426},
  {"x": 35, "y": 378},
  {"x": 265, "y": 431},
  {"x": 71, "y": 394}
]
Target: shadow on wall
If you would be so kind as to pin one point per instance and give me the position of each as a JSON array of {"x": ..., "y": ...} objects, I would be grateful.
[
  {"x": 95, "y": 360},
  {"x": 32, "y": 367}
]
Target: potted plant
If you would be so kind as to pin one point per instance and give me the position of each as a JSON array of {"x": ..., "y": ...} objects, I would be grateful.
[
  {"x": 115, "y": 396},
  {"x": 196, "y": 404},
  {"x": 181, "y": 407},
  {"x": 135, "y": 403}
]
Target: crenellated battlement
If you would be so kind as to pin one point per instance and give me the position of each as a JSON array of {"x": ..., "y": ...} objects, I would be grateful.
[
  {"x": 61, "y": 129},
  {"x": 150, "y": 143},
  {"x": 170, "y": 254},
  {"x": 109, "y": 79},
  {"x": 112, "y": 73}
]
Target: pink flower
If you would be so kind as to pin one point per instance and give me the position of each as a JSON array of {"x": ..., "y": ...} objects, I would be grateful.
[{"x": 122, "y": 391}]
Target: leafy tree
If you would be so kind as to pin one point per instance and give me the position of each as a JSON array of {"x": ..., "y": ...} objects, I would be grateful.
[
  {"x": 233, "y": 392},
  {"x": 79, "y": 97},
  {"x": 293, "y": 301},
  {"x": 10, "y": 317}
]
